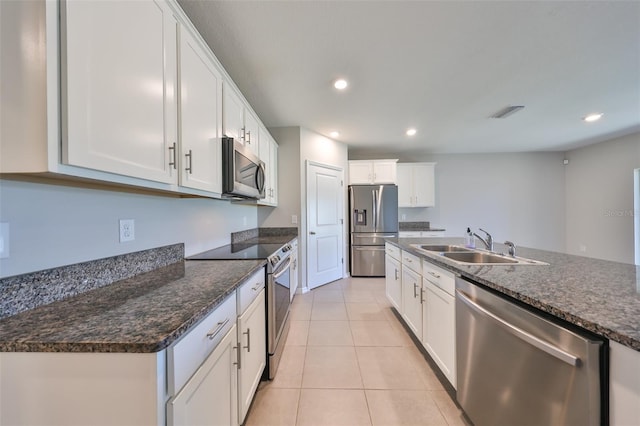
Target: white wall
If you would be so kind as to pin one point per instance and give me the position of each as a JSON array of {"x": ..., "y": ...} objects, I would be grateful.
[
  {"x": 600, "y": 213},
  {"x": 288, "y": 139},
  {"x": 514, "y": 196},
  {"x": 320, "y": 149},
  {"x": 53, "y": 225}
]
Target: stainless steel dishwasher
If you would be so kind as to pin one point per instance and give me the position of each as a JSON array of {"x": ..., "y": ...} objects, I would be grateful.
[{"x": 517, "y": 368}]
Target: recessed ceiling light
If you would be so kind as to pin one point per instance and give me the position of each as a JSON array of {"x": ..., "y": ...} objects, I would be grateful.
[
  {"x": 340, "y": 84},
  {"x": 593, "y": 117},
  {"x": 334, "y": 134},
  {"x": 411, "y": 132}
]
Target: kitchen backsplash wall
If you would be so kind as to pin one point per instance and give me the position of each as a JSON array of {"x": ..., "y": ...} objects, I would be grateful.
[{"x": 53, "y": 225}]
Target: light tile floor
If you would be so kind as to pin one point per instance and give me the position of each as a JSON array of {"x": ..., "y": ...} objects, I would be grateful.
[{"x": 348, "y": 361}]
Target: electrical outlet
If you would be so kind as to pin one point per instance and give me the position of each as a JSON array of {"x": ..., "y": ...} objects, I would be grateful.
[
  {"x": 294, "y": 219},
  {"x": 4, "y": 240},
  {"x": 127, "y": 230}
]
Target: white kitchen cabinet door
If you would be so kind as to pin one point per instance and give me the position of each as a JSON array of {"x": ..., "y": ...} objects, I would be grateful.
[
  {"x": 118, "y": 87},
  {"x": 210, "y": 397},
  {"x": 412, "y": 300},
  {"x": 439, "y": 329},
  {"x": 360, "y": 172},
  {"x": 251, "y": 132},
  {"x": 385, "y": 171},
  {"x": 424, "y": 185},
  {"x": 416, "y": 184},
  {"x": 269, "y": 155},
  {"x": 200, "y": 118},
  {"x": 405, "y": 185},
  {"x": 252, "y": 344},
  {"x": 232, "y": 114},
  {"x": 369, "y": 172},
  {"x": 393, "y": 282}
]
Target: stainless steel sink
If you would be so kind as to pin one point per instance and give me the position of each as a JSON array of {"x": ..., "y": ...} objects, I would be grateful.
[
  {"x": 482, "y": 258},
  {"x": 440, "y": 248},
  {"x": 477, "y": 257}
]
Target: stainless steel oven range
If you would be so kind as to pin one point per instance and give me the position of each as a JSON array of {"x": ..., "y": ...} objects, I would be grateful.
[
  {"x": 278, "y": 304},
  {"x": 278, "y": 299}
]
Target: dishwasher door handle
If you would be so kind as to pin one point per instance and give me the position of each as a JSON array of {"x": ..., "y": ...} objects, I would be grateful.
[{"x": 520, "y": 333}]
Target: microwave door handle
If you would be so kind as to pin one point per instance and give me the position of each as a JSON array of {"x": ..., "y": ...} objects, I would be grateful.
[{"x": 260, "y": 178}]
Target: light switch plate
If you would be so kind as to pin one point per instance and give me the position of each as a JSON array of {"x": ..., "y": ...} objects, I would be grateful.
[{"x": 4, "y": 240}]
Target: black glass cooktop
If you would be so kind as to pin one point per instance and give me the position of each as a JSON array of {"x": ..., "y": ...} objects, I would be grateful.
[{"x": 238, "y": 251}]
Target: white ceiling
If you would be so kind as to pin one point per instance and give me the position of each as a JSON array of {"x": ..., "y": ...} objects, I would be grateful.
[{"x": 443, "y": 67}]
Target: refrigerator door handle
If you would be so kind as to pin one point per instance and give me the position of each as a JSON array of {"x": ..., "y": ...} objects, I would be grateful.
[{"x": 374, "y": 194}]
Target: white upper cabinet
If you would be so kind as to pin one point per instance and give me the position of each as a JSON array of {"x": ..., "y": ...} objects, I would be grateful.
[
  {"x": 366, "y": 172},
  {"x": 232, "y": 113},
  {"x": 200, "y": 92},
  {"x": 269, "y": 154},
  {"x": 239, "y": 122},
  {"x": 251, "y": 132},
  {"x": 416, "y": 184},
  {"x": 119, "y": 106}
]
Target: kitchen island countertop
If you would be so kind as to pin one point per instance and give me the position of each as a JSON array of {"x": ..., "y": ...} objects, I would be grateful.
[
  {"x": 598, "y": 295},
  {"x": 144, "y": 313}
]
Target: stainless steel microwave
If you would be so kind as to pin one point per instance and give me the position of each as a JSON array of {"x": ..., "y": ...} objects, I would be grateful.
[{"x": 243, "y": 173}]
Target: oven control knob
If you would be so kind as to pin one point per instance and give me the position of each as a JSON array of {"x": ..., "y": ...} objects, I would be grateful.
[
  {"x": 286, "y": 248},
  {"x": 274, "y": 260}
]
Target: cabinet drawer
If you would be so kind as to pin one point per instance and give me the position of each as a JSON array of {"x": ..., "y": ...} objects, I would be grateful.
[
  {"x": 410, "y": 234},
  {"x": 392, "y": 251},
  {"x": 411, "y": 261},
  {"x": 248, "y": 291},
  {"x": 438, "y": 276},
  {"x": 187, "y": 354}
]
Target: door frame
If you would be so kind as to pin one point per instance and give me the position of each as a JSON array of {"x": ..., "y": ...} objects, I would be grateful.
[{"x": 305, "y": 225}]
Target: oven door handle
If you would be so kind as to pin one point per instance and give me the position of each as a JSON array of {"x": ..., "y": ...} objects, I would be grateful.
[{"x": 283, "y": 268}]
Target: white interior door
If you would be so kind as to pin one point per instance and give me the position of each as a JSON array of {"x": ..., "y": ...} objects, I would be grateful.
[{"x": 325, "y": 222}]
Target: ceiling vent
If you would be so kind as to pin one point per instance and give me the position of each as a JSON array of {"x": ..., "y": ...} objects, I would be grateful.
[{"x": 507, "y": 111}]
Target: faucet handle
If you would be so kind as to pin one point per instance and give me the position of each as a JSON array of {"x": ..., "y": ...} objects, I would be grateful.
[{"x": 512, "y": 248}]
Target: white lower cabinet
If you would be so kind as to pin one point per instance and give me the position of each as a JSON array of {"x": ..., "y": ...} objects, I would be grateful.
[
  {"x": 208, "y": 377},
  {"x": 210, "y": 396},
  {"x": 425, "y": 297},
  {"x": 393, "y": 282},
  {"x": 252, "y": 342},
  {"x": 439, "y": 329},
  {"x": 412, "y": 300}
]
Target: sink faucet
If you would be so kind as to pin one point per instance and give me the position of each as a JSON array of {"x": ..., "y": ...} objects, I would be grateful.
[
  {"x": 488, "y": 242},
  {"x": 512, "y": 248}
]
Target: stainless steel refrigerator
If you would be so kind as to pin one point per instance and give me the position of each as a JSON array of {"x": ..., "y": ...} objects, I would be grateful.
[{"x": 373, "y": 217}]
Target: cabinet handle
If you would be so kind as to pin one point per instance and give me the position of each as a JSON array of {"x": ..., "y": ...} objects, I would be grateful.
[
  {"x": 238, "y": 358},
  {"x": 415, "y": 293},
  {"x": 249, "y": 137},
  {"x": 248, "y": 333},
  {"x": 190, "y": 157},
  {"x": 396, "y": 274},
  {"x": 256, "y": 287},
  {"x": 212, "y": 334},
  {"x": 434, "y": 275},
  {"x": 244, "y": 134},
  {"x": 172, "y": 150},
  {"x": 421, "y": 295}
]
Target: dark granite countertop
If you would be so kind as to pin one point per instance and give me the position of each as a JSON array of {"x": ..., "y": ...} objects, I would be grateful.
[
  {"x": 597, "y": 295},
  {"x": 145, "y": 313},
  {"x": 417, "y": 226}
]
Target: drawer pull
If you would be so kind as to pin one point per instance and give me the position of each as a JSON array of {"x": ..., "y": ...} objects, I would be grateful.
[
  {"x": 256, "y": 287},
  {"x": 433, "y": 274},
  {"x": 248, "y": 333},
  {"x": 415, "y": 294},
  {"x": 212, "y": 334}
]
